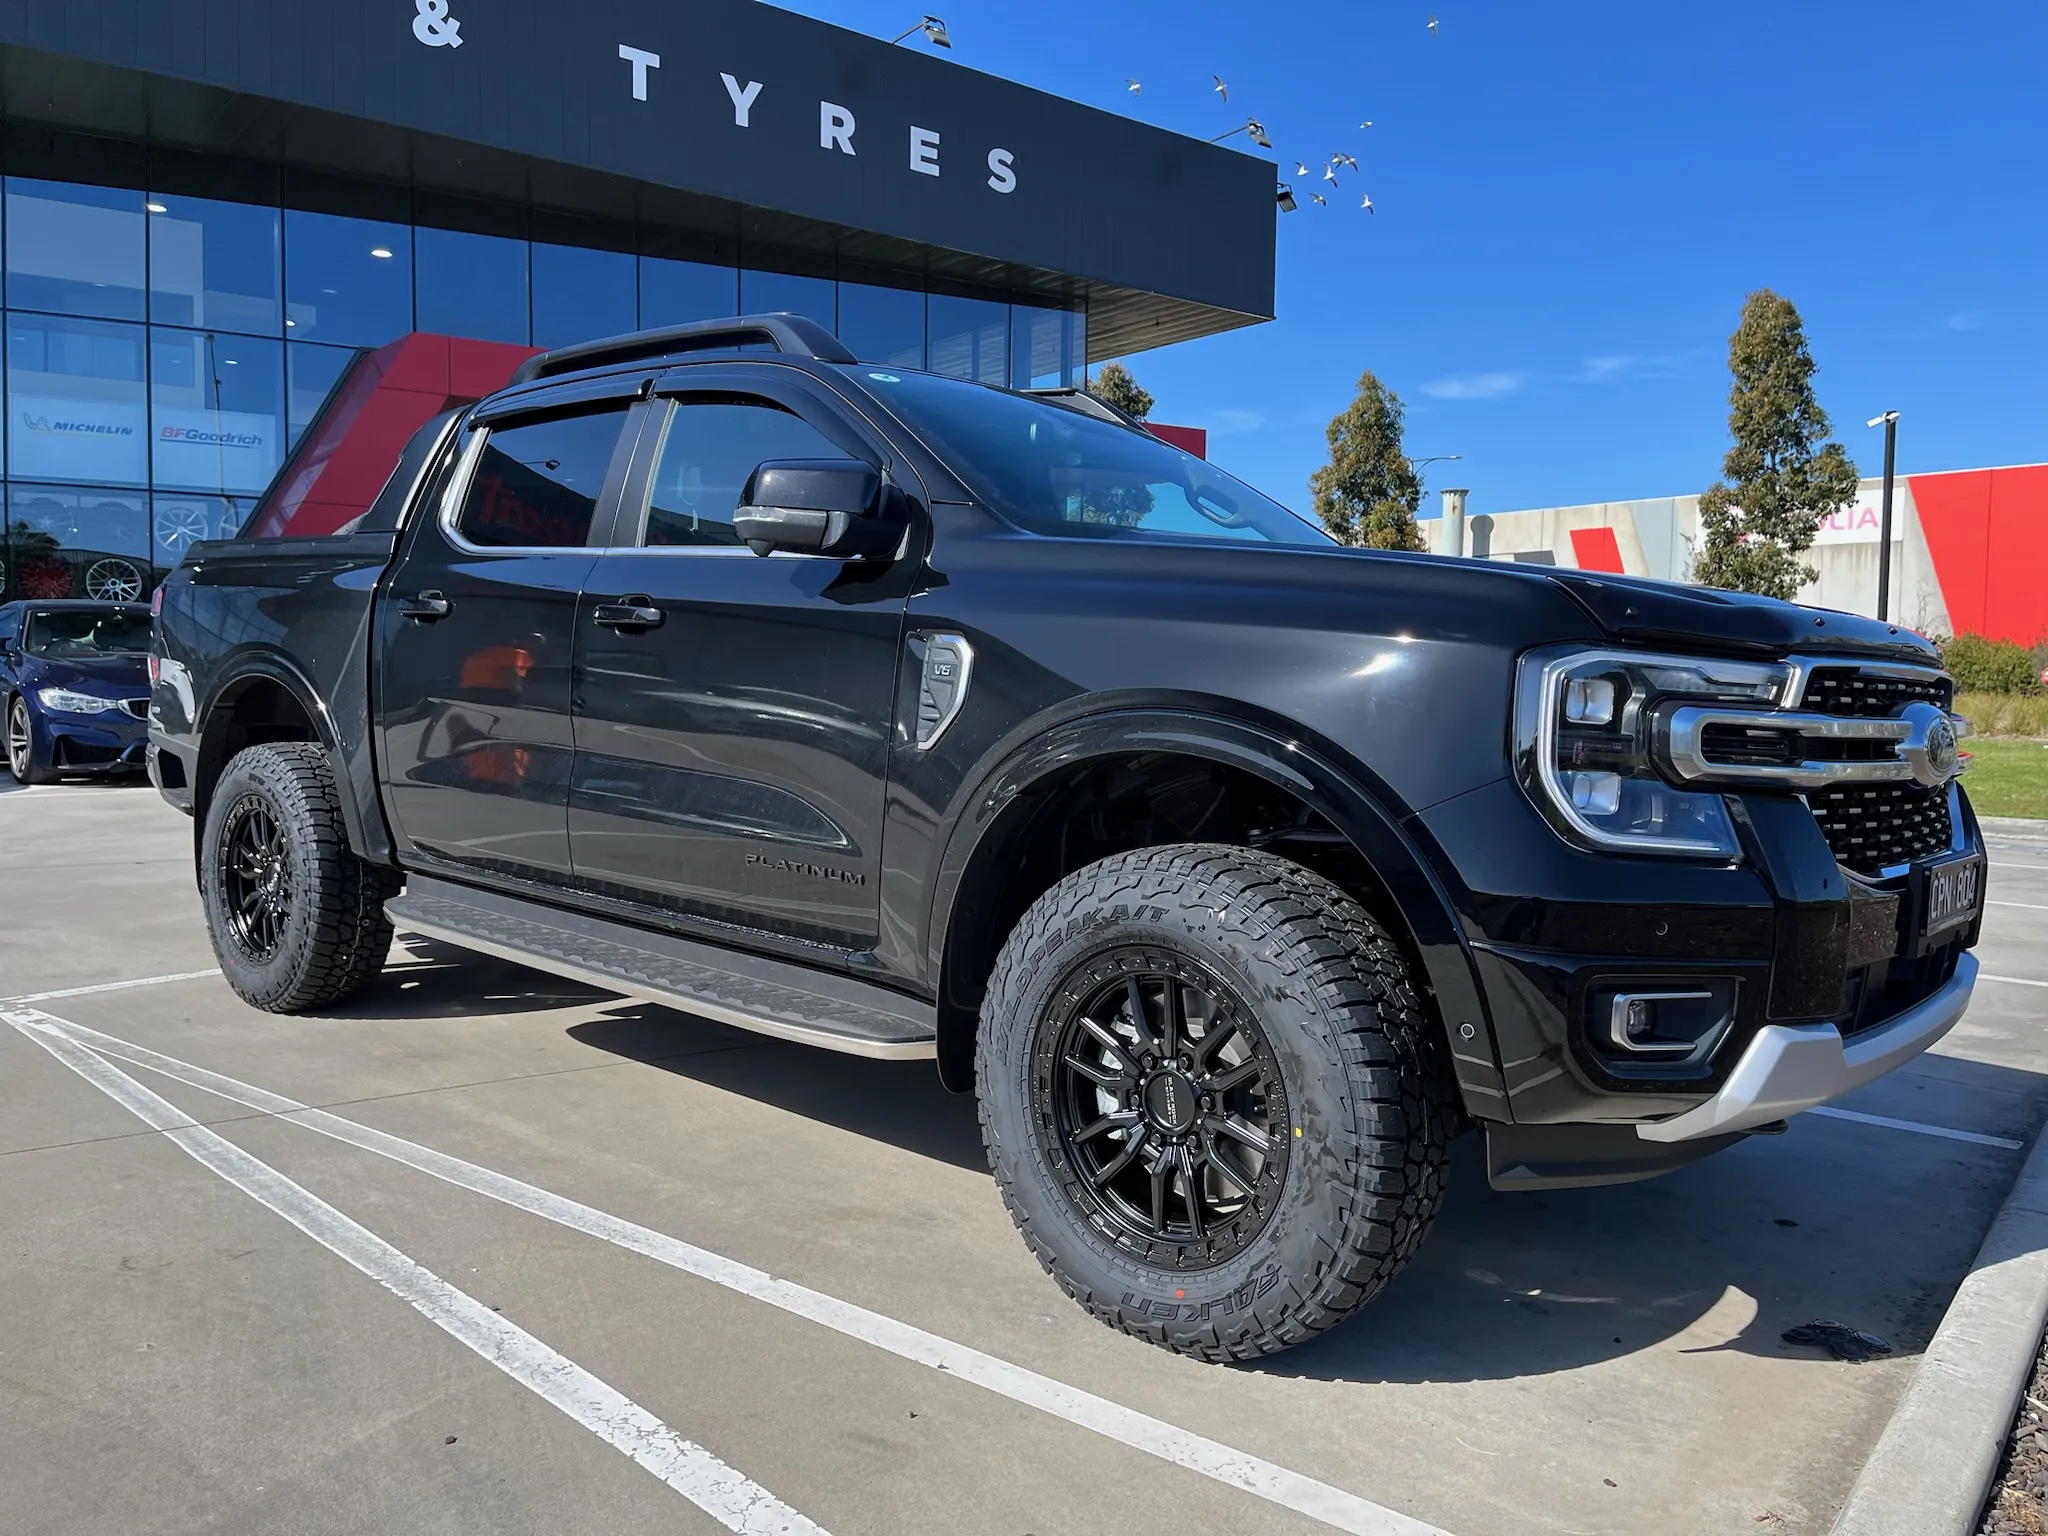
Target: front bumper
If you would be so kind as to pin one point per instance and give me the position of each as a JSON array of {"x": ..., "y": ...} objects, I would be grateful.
[
  {"x": 1789, "y": 1068},
  {"x": 88, "y": 744}
]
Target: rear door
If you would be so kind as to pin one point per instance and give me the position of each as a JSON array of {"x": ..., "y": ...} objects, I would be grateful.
[
  {"x": 477, "y": 635},
  {"x": 732, "y": 753}
]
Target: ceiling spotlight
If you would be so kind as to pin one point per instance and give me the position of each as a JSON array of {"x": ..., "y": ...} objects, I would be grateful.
[
  {"x": 1285, "y": 198},
  {"x": 156, "y": 207},
  {"x": 382, "y": 253},
  {"x": 932, "y": 28}
]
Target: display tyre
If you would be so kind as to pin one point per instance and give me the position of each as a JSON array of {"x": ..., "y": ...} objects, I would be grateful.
[
  {"x": 296, "y": 919},
  {"x": 1212, "y": 1099},
  {"x": 21, "y": 745}
]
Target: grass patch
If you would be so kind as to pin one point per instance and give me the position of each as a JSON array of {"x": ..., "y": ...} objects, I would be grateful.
[
  {"x": 2005, "y": 714},
  {"x": 2007, "y": 778}
]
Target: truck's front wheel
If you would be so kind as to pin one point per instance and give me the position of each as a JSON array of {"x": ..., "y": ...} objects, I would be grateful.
[
  {"x": 1211, "y": 1097},
  {"x": 296, "y": 918}
]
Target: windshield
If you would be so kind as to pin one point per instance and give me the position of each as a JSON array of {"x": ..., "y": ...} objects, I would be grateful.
[
  {"x": 1056, "y": 471},
  {"x": 67, "y": 632}
]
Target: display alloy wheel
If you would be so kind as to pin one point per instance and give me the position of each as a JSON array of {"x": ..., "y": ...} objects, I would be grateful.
[
  {"x": 113, "y": 581},
  {"x": 21, "y": 745},
  {"x": 297, "y": 920},
  {"x": 1213, "y": 1098}
]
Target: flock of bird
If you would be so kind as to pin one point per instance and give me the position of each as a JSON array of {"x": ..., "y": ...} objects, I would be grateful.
[{"x": 1338, "y": 158}]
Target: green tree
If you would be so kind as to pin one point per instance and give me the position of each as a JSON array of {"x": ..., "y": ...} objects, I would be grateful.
[
  {"x": 1115, "y": 386},
  {"x": 1368, "y": 493},
  {"x": 1780, "y": 479}
]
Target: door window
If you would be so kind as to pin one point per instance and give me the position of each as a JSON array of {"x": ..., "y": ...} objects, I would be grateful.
[
  {"x": 712, "y": 449},
  {"x": 537, "y": 483}
]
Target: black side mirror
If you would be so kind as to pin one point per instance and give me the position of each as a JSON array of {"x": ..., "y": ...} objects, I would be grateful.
[{"x": 834, "y": 507}]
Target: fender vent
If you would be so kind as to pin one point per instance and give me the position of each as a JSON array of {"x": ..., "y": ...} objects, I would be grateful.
[{"x": 945, "y": 663}]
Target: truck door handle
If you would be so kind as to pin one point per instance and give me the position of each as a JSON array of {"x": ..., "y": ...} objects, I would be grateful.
[
  {"x": 427, "y": 607},
  {"x": 635, "y": 612}
]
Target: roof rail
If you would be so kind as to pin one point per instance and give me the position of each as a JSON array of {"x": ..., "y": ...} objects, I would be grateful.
[{"x": 794, "y": 334}]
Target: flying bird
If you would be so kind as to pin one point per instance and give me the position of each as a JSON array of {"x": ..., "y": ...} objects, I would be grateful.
[
  {"x": 1319, "y": 200},
  {"x": 1221, "y": 89},
  {"x": 1340, "y": 158},
  {"x": 1365, "y": 202},
  {"x": 1330, "y": 173},
  {"x": 1300, "y": 169},
  {"x": 1432, "y": 26},
  {"x": 1133, "y": 87},
  {"x": 1366, "y": 124}
]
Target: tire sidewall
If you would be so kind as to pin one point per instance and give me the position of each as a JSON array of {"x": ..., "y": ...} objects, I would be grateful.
[
  {"x": 30, "y": 772},
  {"x": 255, "y": 774},
  {"x": 1305, "y": 1047}
]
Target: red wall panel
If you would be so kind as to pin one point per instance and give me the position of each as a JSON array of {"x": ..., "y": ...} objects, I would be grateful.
[
  {"x": 1987, "y": 531},
  {"x": 1597, "y": 549}
]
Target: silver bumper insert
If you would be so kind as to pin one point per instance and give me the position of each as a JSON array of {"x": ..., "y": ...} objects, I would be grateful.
[{"x": 1788, "y": 1068}]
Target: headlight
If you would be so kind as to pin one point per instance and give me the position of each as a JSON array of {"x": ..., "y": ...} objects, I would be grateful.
[
  {"x": 65, "y": 702},
  {"x": 1583, "y": 725}
]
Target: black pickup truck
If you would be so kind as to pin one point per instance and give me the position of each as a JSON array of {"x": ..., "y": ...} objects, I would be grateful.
[{"x": 1237, "y": 873}]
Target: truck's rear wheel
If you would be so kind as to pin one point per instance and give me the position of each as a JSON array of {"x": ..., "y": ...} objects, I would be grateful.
[
  {"x": 1211, "y": 1098},
  {"x": 296, "y": 919}
]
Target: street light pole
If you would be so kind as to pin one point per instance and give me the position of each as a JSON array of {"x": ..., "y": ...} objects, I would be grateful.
[{"x": 1884, "y": 522}]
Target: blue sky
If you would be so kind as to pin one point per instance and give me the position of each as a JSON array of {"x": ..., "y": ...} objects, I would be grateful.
[{"x": 1573, "y": 199}]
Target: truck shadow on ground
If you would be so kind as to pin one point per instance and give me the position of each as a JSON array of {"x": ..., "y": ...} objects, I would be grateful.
[
  {"x": 425, "y": 979},
  {"x": 1869, "y": 1226}
]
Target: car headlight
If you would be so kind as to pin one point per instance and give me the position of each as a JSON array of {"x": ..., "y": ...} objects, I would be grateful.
[
  {"x": 65, "y": 702},
  {"x": 1584, "y": 724}
]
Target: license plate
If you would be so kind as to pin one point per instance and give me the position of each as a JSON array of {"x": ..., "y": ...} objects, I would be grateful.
[{"x": 1954, "y": 890}]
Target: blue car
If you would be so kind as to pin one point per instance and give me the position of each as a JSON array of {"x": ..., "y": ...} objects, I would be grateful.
[{"x": 74, "y": 688}]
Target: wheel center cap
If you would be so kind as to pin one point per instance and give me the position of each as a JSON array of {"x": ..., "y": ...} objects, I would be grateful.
[{"x": 1170, "y": 1101}]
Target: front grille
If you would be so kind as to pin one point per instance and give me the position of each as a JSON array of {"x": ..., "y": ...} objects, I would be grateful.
[
  {"x": 1873, "y": 827},
  {"x": 1870, "y": 695}
]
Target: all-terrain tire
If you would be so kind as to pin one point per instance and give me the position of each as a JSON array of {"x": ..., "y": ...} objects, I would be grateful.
[
  {"x": 1366, "y": 1075},
  {"x": 333, "y": 937}
]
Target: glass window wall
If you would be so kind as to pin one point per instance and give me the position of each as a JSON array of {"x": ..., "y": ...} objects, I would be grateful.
[
  {"x": 970, "y": 339},
  {"x": 311, "y": 372},
  {"x": 182, "y": 521},
  {"x": 1046, "y": 347},
  {"x": 471, "y": 285},
  {"x": 77, "y": 400},
  {"x": 215, "y": 265},
  {"x": 581, "y": 294},
  {"x": 768, "y": 293},
  {"x": 882, "y": 325},
  {"x": 677, "y": 292},
  {"x": 347, "y": 281},
  {"x": 75, "y": 250},
  {"x": 216, "y": 410},
  {"x": 63, "y": 541}
]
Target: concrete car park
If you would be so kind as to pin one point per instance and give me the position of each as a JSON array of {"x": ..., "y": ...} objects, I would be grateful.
[{"x": 781, "y": 1280}]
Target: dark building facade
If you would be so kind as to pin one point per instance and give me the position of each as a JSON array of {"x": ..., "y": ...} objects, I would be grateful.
[{"x": 213, "y": 207}]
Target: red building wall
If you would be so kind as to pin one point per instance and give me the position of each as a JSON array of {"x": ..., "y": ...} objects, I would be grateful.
[{"x": 1987, "y": 532}]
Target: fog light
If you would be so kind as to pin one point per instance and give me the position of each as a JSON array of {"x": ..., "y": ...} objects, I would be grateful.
[
  {"x": 1660, "y": 1025},
  {"x": 1589, "y": 700},
  {"x": 1597, "y": 794}
]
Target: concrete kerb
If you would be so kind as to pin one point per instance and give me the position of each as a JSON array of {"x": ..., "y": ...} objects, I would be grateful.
[
  {"x": 2025, "y": 828},
  {"x": 1933, "y": 1465}
]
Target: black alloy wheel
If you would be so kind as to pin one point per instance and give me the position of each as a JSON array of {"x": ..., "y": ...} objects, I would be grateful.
[
  {"x": 1165, "y": 1100},
  {"x": 296, "y": 918},
  {"x": 255, "y": 878}
]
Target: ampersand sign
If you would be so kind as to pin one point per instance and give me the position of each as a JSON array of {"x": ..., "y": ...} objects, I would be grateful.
[{"x": 434, "y": 27}]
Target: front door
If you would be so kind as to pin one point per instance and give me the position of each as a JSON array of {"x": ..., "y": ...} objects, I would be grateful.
[
  {"x": 477, "y": 638},
  {"x": 734, "y": 712}
]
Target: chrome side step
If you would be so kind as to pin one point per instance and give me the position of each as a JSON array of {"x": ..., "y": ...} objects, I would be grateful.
[{"x": 770, "y": 997}]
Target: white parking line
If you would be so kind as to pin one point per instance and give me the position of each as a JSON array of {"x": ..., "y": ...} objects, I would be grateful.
[
  {"x": 734, "y": 1501},
  {"x": 107, "y": 986},
  {"x": 1918, "y": 1128},
  {"x": 2011, "y": 981},
  {"x": 2024, "y": 906},
  {"x": 1212, "y": 1459}
]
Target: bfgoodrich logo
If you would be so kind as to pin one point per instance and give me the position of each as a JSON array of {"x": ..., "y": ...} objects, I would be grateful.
[
  {"x": 208, "y": 439},
  {"x": 60, "y": 427}
]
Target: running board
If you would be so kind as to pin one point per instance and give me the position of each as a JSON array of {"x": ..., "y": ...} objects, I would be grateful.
[{"x": 771, "y": 997}]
